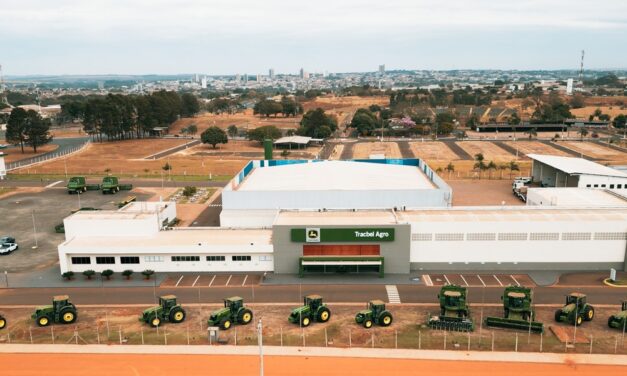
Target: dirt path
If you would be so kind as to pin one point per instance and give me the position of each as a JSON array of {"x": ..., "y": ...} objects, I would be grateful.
[{"x": 167, "y": 365}]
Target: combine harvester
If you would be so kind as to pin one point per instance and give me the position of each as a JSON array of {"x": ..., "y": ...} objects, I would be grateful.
[
  {"x": 77, "y": 184},
  {"x": 517, "y": 311},
  {"x": 454, "y": 310},
  {"x": 111, "y": 184},
  {"x": 619, "y": 319}
]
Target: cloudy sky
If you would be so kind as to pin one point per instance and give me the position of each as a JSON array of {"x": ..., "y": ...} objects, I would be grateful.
[{"x": 231, "y": 36}]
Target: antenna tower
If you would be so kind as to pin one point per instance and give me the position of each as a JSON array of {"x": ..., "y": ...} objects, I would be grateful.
[{"x": 581, "y": 67}]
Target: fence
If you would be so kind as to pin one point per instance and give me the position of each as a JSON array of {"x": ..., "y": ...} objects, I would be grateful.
[{"x": 45, "y": 157}]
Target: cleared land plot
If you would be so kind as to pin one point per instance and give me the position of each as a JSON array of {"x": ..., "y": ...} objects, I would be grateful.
[
  {"x": 433, "y": 151},
  {"x": 244, "y": 150},
  {"x": 534, "y": 147},
  {"x": 596, "y": 151},
  {"x": 363, "y": 150},
  {"x": 490, "y": 151},
  {"x": 14, "y": 153},
  {"x": 585, "y": 112},
  {"x": 345, "y": 103},
  {"x": 242, "y": 120},
  {"x": 483, "y": 192}
]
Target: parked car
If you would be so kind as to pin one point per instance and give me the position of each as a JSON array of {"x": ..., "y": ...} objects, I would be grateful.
[{"x": 8, "y": 245}]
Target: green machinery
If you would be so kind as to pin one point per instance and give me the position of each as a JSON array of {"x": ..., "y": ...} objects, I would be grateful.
[
  {"x": 61, "y": 311},
  {"x": 3, "y": 322},
  {"x": 267, "y": 149},
  {"x": 167, "y": 310},
  {"x": 454, "y": 310},
  {"x": 576, "y": 310},
  {"x": 111, "y": 184},
  {"x": 619, "y": 320},
  {"x": 77, "y": 184},
  {"x": 517, "y": 311},
  {"x": 375, "y": 313},
  {"x": 233, "y": 312},
  {"x": 312, "y": 309}
]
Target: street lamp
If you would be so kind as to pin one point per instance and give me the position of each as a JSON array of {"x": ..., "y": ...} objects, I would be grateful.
[
  {"x": 260, "y": 341},
  {"x": 34, "y": 229}
]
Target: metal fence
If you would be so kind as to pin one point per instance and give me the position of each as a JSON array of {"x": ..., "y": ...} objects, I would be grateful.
[{"x": 45, "y": 157}]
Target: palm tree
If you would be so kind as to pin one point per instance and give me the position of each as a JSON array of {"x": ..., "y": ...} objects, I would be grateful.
[
  {"x": 491, "y": 166},
  {"x": 513, "y": 166},
  {"x": 502, "y": 167},
  {"x": 583, "y": 132},
  {"x": 532, "y": 133},
  {"x": 450, "y": 168},
  {"x": 479, "y": 163}
]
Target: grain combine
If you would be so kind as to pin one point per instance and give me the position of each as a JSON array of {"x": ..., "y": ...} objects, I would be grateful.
[
  {"x": 619, "y": 319},
  {"x": 454, "y": 310},
  {"x": 517, "y": 311}
]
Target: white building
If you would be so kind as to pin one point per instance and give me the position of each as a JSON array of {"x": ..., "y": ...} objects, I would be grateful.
[
  {"x": 575, "y": 197},
  {"x": 3, "y": 167},
  {"x": 554, "y": 171}
]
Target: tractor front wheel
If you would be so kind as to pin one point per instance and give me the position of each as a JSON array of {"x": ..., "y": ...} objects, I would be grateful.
[
  {"x": 43, "y": 321},
  {"x": 385, "y": 319},
  {"x": 155, "y": 322},
  {"x": 226, "y": 324},
  {"x": 177, "y": 315},
  {"x": 368, "y": 324},
  {"x": 245, "y": 316},
  {"x": 3, "y": 322},
  {"x": 578, "y": 320},
  {"x": 324, "y": 314},
  {"x": 305, "y": 321},
  {"x": 68, "y": 315},
  {"x": 588, "y": 313}
]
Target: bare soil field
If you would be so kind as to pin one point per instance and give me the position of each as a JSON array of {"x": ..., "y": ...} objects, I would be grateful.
[
  {"x": 242, "y": 120},
  {"x": 433, "y": 151},
  {"x": 14, "y": 154},
  {"x": 345, "y": 103},
  {"x": 490, "y": 151},
  {"x": 482, "y": 192},
  {"x": 597, "y": 151},
  {"x": 337, "y": 152},
  {"x": 519, "y": 135},
  {"x": 534, "y": 147},
  {"x": 585, "y": 112},
  {"x": 363, "y": 150},
  {"x": 68, "y": 132},
  {"x": 465, "y": 170},
  {"x": 117, "y": 324}
]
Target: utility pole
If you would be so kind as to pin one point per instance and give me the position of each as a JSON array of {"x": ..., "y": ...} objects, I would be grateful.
[{"x": 260, "y": 340}]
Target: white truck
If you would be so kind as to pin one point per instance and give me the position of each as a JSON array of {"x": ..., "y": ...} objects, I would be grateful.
[{"x": 519, "y": 187}]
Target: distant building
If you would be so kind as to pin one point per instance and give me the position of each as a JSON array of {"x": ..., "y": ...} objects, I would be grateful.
[
  {"x": 203, "y": 82},
  {"x": 302, "y": 73},
  {"x": 271, "y": 73},
  {"x": 382, "y": 68},
  {"x": 305, "y": 75},
  {"x": 569, "y": 87}
]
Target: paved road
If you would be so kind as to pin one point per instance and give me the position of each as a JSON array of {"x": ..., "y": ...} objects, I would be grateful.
[
  {"x": 135, "y": 182},
  {"x": 174, "y": 150},
  {"x": 292, "y": 294},
  {"x": 65, "y": 144}
]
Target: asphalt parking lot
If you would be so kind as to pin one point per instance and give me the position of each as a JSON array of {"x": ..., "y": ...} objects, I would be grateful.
[
  {"x": 30, "y": 216},
  {"x": 211, "y": 280},
  {"x": 478, "y": 280}
]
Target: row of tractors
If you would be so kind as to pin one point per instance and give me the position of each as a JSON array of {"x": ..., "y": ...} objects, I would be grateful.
[
  {"x": 454, "y": 312},
  {"x": 110, "y": 184}
]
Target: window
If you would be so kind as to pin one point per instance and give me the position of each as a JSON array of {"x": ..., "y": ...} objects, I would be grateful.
[
  {"x": 216, "y": 258},
  {"x": 513, "y": 236},
  {"x": 240, "y": 258},
  {"x": 129, "y": 260},
  {"x": 81, "y": 260},
  {"x": 265, "y": 258},
  {"x": 610, "y": 236},
  {"x": 481, "y": 236},
  {"x": 105, "y": 260},
  {"x": 576, "y": 236},
  {"x": 602, "y": 185},
  {"x": 588, "y": 185},
  {"x": 611, "y": 186},
  {"x": 619, "y": 186},
  {"x": 185, "y": 258},
  {"x": 422, "y": 237},
  {"x": 153, "y": 258},
  {"x": 596, "y": 186},
  {"x": 449, "y": 237},
  {"x": 544, "y": 236}
]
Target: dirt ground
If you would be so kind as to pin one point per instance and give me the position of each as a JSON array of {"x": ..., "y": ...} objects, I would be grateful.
[
  {"x": 433, "y": 151},
  {"x": 465, "y": 170},
  {"x": 245, "y": 150},
  {"x": 345, "y": 103},
  {"x": 363, "y": 150},
  {"x": 482, "y": 192},
  {"x": 408, "y": 330},
  {"x": 585, "y": 112},
  {"x": 68, "y": 132},
  {"x": 242, "y": 120},
  {"x": 336, "y": 153},
  {"x": 534, "y": 147},
  {"x": 13, "y": 154},
  {"x": 597, "y": 151},
  {"x": 490, "y": 151}
]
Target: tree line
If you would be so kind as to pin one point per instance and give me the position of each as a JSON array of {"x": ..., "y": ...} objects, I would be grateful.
[
  {"x": 27, "y": 128},
  {"x": 286, "y": 107}
]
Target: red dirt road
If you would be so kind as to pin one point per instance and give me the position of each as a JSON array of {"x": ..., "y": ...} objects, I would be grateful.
[{"x": 190, "y": 365}]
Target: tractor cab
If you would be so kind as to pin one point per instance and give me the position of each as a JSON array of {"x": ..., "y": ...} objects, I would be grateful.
[
  {"x": 516, "y": 300},
  {"x": 452, "y": 298},
  {"x": 576, "y": 298},
  {"x": 59, "y": 302},
  {"x": 234, "y": 303},
  {"x": 167, "y": 302},
  {"x": 376, "y": 306},
  {"x": 313, "y": 301}
]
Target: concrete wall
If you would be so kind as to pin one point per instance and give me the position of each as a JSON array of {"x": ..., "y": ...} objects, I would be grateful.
[
  {"x": 287, "y": 253},
  {"x": 605, "y": 182},
  {"x": 77, "y": 226}
]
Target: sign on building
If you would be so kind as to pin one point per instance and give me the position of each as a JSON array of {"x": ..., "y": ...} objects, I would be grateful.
[{"x": 339, "y": 235}]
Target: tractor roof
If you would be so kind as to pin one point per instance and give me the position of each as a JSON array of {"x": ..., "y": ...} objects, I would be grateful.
[
  {"x": 453, "y": 293},
  {"x": 168, "y": 297},
  {"x": 60, "y": 297},
  {"x": 577, "y": 295},
  {"x": 234, "y": 298},
  {"x": 313, "y": 296},
  {"x": 377, "y": 302},
  {"x": 513, "y": 294}
]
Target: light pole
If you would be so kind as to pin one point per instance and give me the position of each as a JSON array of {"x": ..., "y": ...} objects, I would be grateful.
[
  {"x": 6, "y": 279},
  {"x": 260, "y": 341},
  {"x": 34, "y": 229}
]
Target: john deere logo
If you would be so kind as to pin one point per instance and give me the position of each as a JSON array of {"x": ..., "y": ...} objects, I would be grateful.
[{"x": 313, "y": 235}]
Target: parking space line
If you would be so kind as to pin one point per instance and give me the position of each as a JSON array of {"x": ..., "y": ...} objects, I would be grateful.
[
  {"x": 515, "y": 280},
  {"x": 245, "y": 278},
  {"x": 53, "y": 184},
  {"x": 447, "y": 281},
  {"x": 481, "y": 280},
  {"x": 497, "y": 279},
  {"x": 179, "y": 281},
  {"x": 212, "y": 279},
  {"x": 196, "y": 280},
  {"x": 228, "y": 280},
  {"x": 463, "y": 279},
  {"x": 427, "y": 279}
]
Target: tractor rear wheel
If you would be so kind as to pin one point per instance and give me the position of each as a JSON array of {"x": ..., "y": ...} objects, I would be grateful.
[
  {"x": 385, "y": 319},
  {"x": 368, "y": 324},
  {"x": 610, "y": 321},
  {"x": 3, "y": 322},
  {"x": 68, "y": 315},
  {"x": 323, "y": 314},
  {"x": 43, "y": 321},
  {"x": 305, "y": 321},
  {"x": 558, "y": 315},
  {"x": 177, "y": 315},
  {"x": 155, "y": 322},
  {"x": 245, "y": 316},
  {"x": 588, "y": 313},
  {"x": 226, "y": 324}
]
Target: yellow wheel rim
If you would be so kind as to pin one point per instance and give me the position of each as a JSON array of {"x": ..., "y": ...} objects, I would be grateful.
[
  {"x": 324, "y": 316},
  {"x": 368, "y": 324},
  {"x": 306, "y": 321},
  {"x": 2, "y": 324},
  {"x": 227, "y": 324},
  {"x": 68, "y": 316},
  {"x": 246, "y": 317},
  {"x": 43, "y": 321},
  {"x": 155, "y": 322},
  {"x": 178, "y": 316},
  {"x": 590, "y": 314},
  {"x": 387, "y": 320},
  {"x": 578, "y": 320}
]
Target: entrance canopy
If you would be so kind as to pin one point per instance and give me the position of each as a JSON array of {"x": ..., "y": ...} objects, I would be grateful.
[{"x": 340, "y": 264}]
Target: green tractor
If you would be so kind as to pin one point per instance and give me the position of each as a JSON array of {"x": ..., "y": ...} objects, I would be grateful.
[
  {"x": 454, "y": 310},
  {"x": 576, "y": 310},
  {"x": 619, "y": 320},
  {"x": 3, "y": 322},
  {"x": 312, "y": 309},
  {"x": 233, "y": 312},
  {"x": 517, "y": 311},
  {"x": 61, "y": 311},
  {"x": 110, "y": 184},
  {"x": 167, "y": 310},
  {"x": 375, "y": 313}
]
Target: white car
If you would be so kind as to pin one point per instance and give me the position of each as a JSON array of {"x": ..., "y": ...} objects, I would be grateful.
[{"x": 7, "y": 248}]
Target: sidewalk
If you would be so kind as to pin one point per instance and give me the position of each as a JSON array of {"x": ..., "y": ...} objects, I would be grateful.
[
  {"x": 414, "y": 278},
  {"x": 450, "y": 355}
]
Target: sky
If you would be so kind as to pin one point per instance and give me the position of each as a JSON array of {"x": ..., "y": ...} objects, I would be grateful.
[{"x": 251, "y": 36}]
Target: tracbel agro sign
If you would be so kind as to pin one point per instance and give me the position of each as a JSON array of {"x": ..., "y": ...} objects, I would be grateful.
[{"x": 330, "y": 235}]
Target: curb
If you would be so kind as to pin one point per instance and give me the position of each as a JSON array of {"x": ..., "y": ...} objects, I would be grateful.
[{"x": 607, "y": 282}]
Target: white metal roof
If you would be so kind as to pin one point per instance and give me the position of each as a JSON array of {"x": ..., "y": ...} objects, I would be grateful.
[
  {"x": 336, "y": 217},
  {"x": 578, "y": 197},
  {"x": 293, "y": 140},
  {"x": 513, "y": 214},
  {"x": 336, "y": 175},
  {"x": 577, "y": 166}
]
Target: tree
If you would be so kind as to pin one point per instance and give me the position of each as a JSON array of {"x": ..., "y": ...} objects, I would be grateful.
[
  {"x": 16, "y": 127},
  {"x": 291, "y": 107},
  {"x": 192, "y": 129},
  {"x": 577, "y": 101},
  {"x": 316, "y": 123},
  {"x": 450, "y": 168},
  {"x": 189, "y": 191},
  {"x": 147, "y": 273},
  {"x": 37, "y": 130},
  {"x": 214, "y": 136},
  {"x": 89, "y": 273},
  {"x": 261, "y": 133},
  {"x": 127, "y": 273},
  {"x": 190, "y": 105},
  {"x": 267, "y": 107},
  {"x": 68, "y": 275},
  {"x": 107, "y": 273},
  {"x": 620, "y": 121},
  {"x": 491, "y": 166},
  {"x": 532, "y": 133},
  {"x": 444, "y": 122},
  {"x": 480, "y": 163},
  {"x": 232, "y": 130},
  {"x": 513, "y": 166},
  {"x": 166, "y": 167},
  {"x": 583, "y": 132},
  {"x": 364, "y": 121}
]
